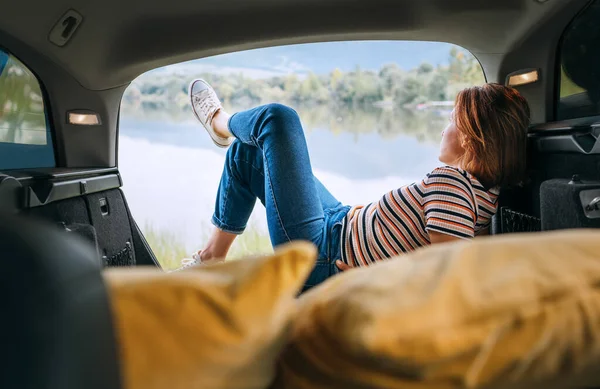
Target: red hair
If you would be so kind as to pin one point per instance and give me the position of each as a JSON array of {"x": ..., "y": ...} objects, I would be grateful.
[{"x": 493, "y": 120}]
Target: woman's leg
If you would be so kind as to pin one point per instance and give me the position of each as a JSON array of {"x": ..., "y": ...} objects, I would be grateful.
[
  {"x": 269, "y": 160},
  {"x": 328, "y": 200}
]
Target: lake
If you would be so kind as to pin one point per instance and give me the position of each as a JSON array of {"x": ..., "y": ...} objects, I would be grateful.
[{"x": 171, "y": 168}]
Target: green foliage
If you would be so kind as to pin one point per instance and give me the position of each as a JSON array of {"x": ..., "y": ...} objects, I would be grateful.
[
  {"x": 170, "y": 249},
  {"x": 252, "y": 242},
  {"x": 22, "y": 118},
  {"x": 410, "y": 91},
  {"x": 391, "y": 76},
  {"x": 437, "y": 88},
  {"x": 425, "y": 68},
  {"x": 167, "y": 247},
  {"x": 567, "y": 86},
  {"x": 357, "y": 88}
]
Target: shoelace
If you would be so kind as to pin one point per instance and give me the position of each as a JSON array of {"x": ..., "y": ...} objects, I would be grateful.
[
  {"x": 193, "y": 261},
  {"x": 206, "y": 101},
  {"x": 187, "y": 262}
]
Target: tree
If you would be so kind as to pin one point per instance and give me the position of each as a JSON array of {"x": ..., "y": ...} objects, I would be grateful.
[
  {"x": 436, "y": 90},
  {"x": 311, "y": 89},
  {"x": 464, "y": 68},
  {"x": 342, "y": 89},
  {"x": 425, "y": 68},
  {"x": 456, "y": 65},
  {"x": 391, "y": 77},
  {"x": 21, "y": 102},
  {"x": 367, "y": 87},
  {"x": 473, "y": 72},
  {"x": 336, "y": 76},
  {"x": 291, "y": 84},
  {"x": 409, "y": 92},
  {"x": 225, "y": 91}
]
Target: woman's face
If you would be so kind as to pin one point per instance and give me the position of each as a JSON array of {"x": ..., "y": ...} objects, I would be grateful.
[{"x": 451, "y": 149}]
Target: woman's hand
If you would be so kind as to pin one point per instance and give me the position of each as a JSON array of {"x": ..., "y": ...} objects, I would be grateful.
[{"x": 342, "y": 266}]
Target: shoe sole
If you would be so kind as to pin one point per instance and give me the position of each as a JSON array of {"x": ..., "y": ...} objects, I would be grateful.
[{"x": 217, "y": 140}]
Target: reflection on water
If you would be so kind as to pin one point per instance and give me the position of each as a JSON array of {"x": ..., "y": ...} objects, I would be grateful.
[
  {"x": 350, "y": 143},
  {"x": 171, "y": 168},
  {"x": 425, "y": 125}
]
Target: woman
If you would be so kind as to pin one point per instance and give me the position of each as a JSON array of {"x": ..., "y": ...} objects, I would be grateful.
[{"x": 483, "y": 148}]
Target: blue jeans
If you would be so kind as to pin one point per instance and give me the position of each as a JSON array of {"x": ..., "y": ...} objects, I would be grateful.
[{"x": 269, "y": 161}]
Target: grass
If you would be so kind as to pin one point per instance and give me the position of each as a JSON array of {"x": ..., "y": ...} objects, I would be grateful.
[
  {"x": 170, "y": 249},
  {"x": 568, "y": 87},
  {"x": 167, "y": 247}
]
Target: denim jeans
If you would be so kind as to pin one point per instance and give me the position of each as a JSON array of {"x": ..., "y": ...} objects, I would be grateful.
[{"x": 269, "y": 161}]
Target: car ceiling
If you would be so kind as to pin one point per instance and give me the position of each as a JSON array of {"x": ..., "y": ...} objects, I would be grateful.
[{"x": 120, "y": 39}]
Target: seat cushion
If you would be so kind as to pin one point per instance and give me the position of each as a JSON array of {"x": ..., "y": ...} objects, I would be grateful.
[
  {"x": 507, "y": 311},
  {"x": 214, "y": 326}
]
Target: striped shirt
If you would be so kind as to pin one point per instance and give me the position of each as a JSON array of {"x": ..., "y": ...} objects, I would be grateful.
[{"x": 449, "y": 200}]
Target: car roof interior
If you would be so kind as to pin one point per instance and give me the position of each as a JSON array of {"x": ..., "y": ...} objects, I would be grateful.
[
  {"x": 122, "y": 39},
  {"x": 119, "y": 40}
]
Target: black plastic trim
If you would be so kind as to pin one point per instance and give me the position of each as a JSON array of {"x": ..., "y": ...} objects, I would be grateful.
[
  {"x": 58, "y": 173},
  {"x": 581, "y": 136},
  {"x": 570, "y": 125},
  {"x": 44, "y": 193}
]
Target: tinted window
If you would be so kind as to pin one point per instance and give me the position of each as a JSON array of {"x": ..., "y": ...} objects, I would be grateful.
[
  {"x": 25, "y": 139},
  {"x": 580, "y": 66}
]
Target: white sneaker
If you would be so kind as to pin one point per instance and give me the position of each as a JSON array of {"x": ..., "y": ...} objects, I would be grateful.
[
  {"x": 189, "y": 262},
  {"x": 205, "y": 105},
  {"x": 195, "y": 260}
]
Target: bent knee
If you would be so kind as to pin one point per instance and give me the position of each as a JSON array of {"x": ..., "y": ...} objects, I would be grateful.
[
  {"x": 280, "y": 111},
  {"x": 238, "y": 150}
]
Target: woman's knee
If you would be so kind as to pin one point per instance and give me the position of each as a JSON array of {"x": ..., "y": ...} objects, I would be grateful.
[
  {"x": 281, "y": 112},
  {"x": 283, "y": 121}
]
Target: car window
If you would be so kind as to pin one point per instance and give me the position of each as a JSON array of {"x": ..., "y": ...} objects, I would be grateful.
[
  {"x": 25, "y": 137},
  {"x": 579, "y": 87},
  {"x": 372, "y": 113}
]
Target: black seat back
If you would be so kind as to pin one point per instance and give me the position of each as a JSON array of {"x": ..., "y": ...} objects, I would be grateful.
[
  {"x": 56, "y": 325},
  {"x": 514, "y": 213},
  {"x": 11, "y": 194},
  {"x": 570, "y": 203},
  {"x": 92, "y": 206}
]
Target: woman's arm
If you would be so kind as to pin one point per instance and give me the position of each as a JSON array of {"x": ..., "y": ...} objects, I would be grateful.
[{"x": 434, "y": 237}]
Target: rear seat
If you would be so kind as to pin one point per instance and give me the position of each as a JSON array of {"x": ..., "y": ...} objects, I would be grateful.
[
  {"x": 57, "y": 325},
  {"x": 561, "y": 203},
  {"x": 514, "y": 213},
  {"x": 11, "y": 194},
  {"x": 570, "y": 203}
]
